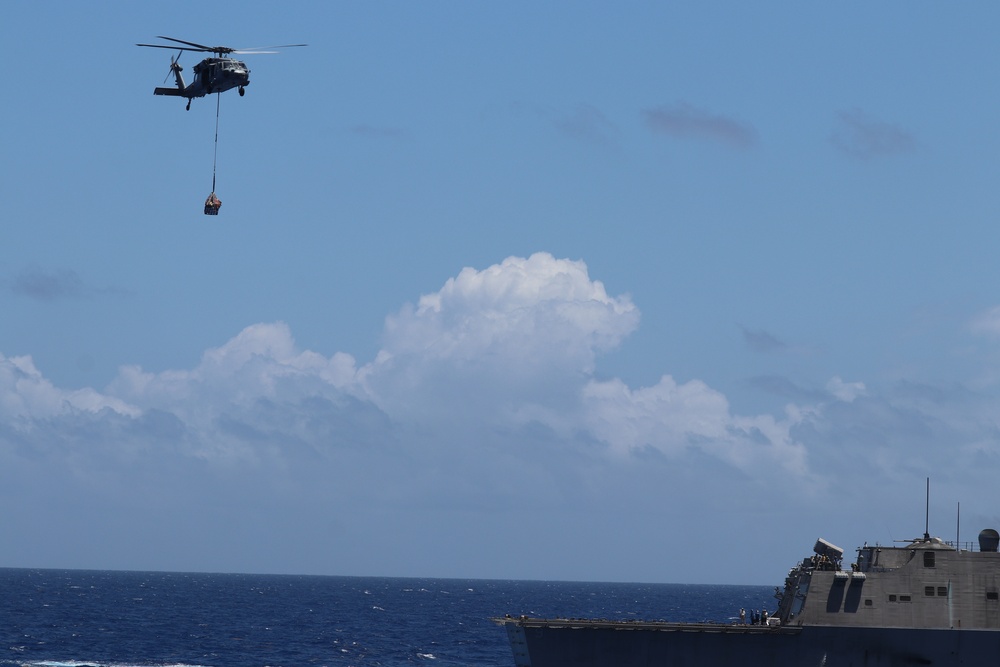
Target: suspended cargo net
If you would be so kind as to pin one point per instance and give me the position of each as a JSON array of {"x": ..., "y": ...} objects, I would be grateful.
[{"x": 212, "y": 205}]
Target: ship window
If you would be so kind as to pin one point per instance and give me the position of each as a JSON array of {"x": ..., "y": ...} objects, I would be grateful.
[
  {"x": 929, "y": 591},
  {"x": 892, "y": 598},
  {"x": 991, "y": 595},
  {"x": 868, "y": 602},
  {"x": 942, "y": 591},
  {"x": 928, "y": 559},
  {"x": 904, "y": 598}
]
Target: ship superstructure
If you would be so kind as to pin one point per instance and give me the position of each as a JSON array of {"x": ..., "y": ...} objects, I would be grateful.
[{"x": 925, "y": 584}]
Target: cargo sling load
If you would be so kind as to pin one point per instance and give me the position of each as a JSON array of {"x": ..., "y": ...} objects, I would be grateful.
[
  {"x": 212, "y": 204},
  {"x": 926, "y": 602}
]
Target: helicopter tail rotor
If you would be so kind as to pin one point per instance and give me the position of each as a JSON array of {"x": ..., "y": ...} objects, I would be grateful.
[{"x": 175, "y": 67}]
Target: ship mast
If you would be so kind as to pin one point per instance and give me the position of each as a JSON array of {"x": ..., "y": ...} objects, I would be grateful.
[
  {"x": 927, "y": 512},
  {"x": 958, "y": 527}
]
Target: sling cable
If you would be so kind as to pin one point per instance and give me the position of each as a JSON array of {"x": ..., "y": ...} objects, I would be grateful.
[{"x": 213, "y": 203}]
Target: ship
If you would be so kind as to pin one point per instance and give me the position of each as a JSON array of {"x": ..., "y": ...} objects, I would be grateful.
[{"x": 919, "y": 602}]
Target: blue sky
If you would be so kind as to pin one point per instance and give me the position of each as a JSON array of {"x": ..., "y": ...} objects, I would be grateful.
[{"x": 656, "y": 292}]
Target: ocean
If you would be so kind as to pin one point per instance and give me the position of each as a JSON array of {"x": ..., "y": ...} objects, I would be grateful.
[{"x": 77, "y": 618}]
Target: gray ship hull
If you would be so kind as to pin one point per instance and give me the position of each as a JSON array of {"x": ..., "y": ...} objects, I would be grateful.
[{"x": 576, "y": 643}]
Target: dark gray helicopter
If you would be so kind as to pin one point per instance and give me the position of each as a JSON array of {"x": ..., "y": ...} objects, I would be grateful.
[{"x": 211, "y": 75}]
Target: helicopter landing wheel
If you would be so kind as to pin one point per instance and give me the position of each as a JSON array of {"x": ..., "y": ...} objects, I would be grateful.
[
  {"x": 188, "y": 107},
  {"x": 242, "y": 91}
]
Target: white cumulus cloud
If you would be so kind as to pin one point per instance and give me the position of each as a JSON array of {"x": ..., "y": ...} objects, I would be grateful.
[
  {"x": 484, "y": 403},
  {"x": 510, "y": 347},
  {"x": 524, "y": 330},
  {"x": 25, "y": 395}
]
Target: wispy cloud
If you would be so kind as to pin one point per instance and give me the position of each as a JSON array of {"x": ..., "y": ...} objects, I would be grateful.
[
  {"x": 56, "y": 285},
  {"x": 687, "y": 121},
  {"x": 41, "y": 285},
  {"x": 762, "y": 341},
  {"x": 835, "y": 390},
  {"x": 859, "y": 135},
  {"x": 779, "y": 385},
  {"x": 587, "y": 123}
]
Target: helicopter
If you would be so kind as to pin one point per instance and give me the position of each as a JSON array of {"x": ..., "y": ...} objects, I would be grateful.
[{"x": 211, "y": 75}]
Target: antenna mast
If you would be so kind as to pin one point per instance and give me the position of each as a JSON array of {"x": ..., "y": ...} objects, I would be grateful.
[
  {"x": 927, "y": 512},
  {"x": 958, "y": 527}
]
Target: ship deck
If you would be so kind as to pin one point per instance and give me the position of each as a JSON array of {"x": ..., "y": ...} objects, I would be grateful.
[{"x": 660, "y": 626}]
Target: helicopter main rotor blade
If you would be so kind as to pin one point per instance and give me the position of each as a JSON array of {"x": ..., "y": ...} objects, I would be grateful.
[
  {"x": 181, "y": 41},
  {"x": 258, "y": 49},
  {"x": 218, "y": 50},
  {"x": 179, "y": 48}
]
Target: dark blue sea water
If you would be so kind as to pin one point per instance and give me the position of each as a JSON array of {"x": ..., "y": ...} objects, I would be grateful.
[{"x": 74, "y": 618}]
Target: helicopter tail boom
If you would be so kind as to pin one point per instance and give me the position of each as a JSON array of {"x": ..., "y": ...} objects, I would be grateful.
[{"x": 173, "y": 92}]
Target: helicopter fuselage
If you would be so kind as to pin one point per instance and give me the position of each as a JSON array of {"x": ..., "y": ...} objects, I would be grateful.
[
  {"x": 217, "y": 75},
  {"x": 211, "y": 75}
]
